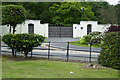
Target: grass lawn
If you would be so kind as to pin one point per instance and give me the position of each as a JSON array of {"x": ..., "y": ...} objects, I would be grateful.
[
  {"x": 77, "y": 43},
  {"x": 43, "y": 68}
]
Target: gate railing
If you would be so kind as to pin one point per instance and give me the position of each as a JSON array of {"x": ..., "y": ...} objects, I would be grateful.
[
  {"x": 60, "y": 30},
  {"x": 67, "y": 54},
  {"x": 60, "y": 25}
]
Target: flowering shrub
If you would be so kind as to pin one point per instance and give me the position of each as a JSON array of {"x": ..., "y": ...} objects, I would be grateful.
[
  {"x": 94, "y": 33},
  {"x": 113, "y": 29},
  {"x": 97, "y": 38}
]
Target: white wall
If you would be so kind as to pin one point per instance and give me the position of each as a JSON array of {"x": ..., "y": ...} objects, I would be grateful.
[
  {"x": 41, "y": 29},
  {"x": 78, "y": 32},
  {"x": 4, "y": 29},
  {"x": 103, "y": 27}
]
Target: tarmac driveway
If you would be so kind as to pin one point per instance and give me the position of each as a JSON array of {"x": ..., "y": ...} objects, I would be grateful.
[
  {"x": 72, "y": 47},
  {"x": 61, "y": 39}
]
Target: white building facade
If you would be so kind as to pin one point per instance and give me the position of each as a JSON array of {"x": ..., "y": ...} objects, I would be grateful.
[
  {"x": 85, "y": 27},
  {"x": 29, "y": 26},
  {"x": 34, "y": 26}
]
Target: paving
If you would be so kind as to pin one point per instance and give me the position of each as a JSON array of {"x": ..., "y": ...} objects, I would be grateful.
[
  {"x": 71, "y": 47},
  {"x": 61, "y": 39}
]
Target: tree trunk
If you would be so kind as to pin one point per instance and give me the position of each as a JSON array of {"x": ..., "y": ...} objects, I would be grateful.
[
  {"x": 10, "y": 29},
  {"x": 25, "y": 54},
  {"x": 12, "y": 52},
  {"x": 14, "y": 29}
]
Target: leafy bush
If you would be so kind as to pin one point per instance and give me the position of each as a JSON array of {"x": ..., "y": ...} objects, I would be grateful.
[
  {"x": 23, "y": 42},
  {"x": 86, "y": 39},
  {"x": 94, "y": 33},
  {"x": 110, "y": 53}
]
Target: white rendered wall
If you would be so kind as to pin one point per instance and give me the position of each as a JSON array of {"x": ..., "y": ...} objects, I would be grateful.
[
  {"x": 41, "y": 29},
  {"x": 78, "y": 32},
  {"x": 0, "y": 31},
  {"x": 4, "y": 29},
  {"x": 103, "y": 27}
]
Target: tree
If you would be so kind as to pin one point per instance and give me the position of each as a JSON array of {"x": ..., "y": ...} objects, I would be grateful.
[
  {"x": 33, "y": 10},
  {"x": 108, "y": 15},
  {"x": 118, "y": 12},
  {"x": 95, "y": 8},
  {"x": 70, "y": 12},
  {"x": 13, "y": 15},
  {"x": 46, "y": 16},
  {"x": 48, "y": 12}
]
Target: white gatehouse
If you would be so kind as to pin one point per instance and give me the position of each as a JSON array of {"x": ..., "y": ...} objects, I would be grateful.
[{"x": 85, "y": 27}]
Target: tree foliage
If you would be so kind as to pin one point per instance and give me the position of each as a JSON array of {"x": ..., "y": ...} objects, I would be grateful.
[
  {"x": 95, "y": 8},
  {"x": 70, "y": 12},
  {"x": 108, "y": 15},
  {"x": 13, "y": 15},
  {"x": 118, "y": 13},
  {"x": 46, "y": 16}
]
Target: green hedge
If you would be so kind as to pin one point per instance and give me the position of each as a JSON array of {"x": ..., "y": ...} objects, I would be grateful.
[
  {"x": 110, "y": 53},
  {"x": 23, "y": 42}
]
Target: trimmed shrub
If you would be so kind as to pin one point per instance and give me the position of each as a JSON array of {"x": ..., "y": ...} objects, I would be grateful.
[
  {"x": 23, "y": 42},
  {"x": 86, "y": 39},
  {"x": 8, "y": 39},
  {"x": 110, "y": 53},
  {"x": 94, "y": 33}
]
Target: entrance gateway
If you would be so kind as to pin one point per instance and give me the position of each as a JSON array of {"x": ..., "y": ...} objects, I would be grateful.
[
  {"x": 53, "y": 30},
  {"x": 59, "y": 30}
]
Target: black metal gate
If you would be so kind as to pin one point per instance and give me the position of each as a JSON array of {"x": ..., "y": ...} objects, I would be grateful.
[{"x": 57, "y": 30}]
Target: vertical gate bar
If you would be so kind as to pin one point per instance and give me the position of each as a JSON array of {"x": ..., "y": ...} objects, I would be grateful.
[
  {"x": 49, "y": 51},
  {"x": 68, "y": 51},
  {"x": 90, "y": 52},
  {"x": 15, "y": 53},
  {"x": 60, "y": 29},
  {"x": 31, "y": 54},
  {"x": 0, "y": 45}
]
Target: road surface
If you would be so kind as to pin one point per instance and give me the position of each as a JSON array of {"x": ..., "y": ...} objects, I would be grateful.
[{"x": 58, "y": 53}]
